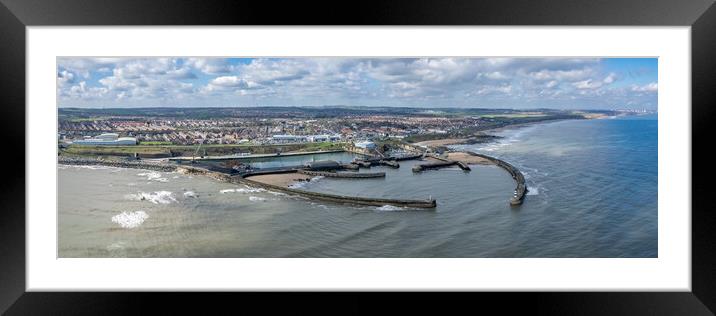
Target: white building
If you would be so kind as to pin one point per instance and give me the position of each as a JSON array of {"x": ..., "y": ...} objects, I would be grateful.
[
  {"x": 106, "y": 139},
  {"x": 324, "y": 138},
  {"x": 365, "y": 145}
]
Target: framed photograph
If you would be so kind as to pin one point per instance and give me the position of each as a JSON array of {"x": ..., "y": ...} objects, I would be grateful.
[{"x": 471, "y": 147}]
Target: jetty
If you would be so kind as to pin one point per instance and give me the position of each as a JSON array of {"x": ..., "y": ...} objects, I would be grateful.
[
  {"x": 368, "y": 162},
  {"x": 342, "y": 174},
  {"x": 442, "y": 163}
]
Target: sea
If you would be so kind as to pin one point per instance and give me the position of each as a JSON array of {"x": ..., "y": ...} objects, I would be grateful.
[{"x": 592, "y": 194}]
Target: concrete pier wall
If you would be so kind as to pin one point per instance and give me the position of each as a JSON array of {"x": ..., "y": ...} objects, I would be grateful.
[
  {"x": 443, "y": 163},
  {"x": 434, "y": 165},
  {"x": 354, "y": 175}
]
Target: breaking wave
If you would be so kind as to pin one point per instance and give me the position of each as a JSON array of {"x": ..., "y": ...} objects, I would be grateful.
[
  {"x": 158, "y": 197},
  {"x": 532, "y": 191},
  {"x": 130, "y": 219},
  {"x": 153, "y": 176}
]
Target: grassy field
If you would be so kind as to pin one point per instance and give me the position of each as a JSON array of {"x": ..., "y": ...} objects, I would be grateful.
[{"x": 155, "y": 143}]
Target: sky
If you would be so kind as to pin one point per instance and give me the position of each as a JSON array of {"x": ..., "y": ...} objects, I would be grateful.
[{"x": 517, "y": 83}]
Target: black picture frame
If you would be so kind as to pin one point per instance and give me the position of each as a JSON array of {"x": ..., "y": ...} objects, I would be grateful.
[{"x": 15, "y": 15}]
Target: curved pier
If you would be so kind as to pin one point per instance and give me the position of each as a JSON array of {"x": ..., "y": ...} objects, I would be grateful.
[{"x": 521, "y": 188}]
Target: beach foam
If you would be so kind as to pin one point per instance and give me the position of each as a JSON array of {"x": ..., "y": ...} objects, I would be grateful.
[
  {"x": 130, "y": 219},
  {"x": 388, "y": 208},
  {"x": 242, "y": 190},
  {"x": 298, "y": 185},
  {"x": 301, "y": 184},
  {"x": 90, "y": 167},
  {"x": 189, "y": 194}
]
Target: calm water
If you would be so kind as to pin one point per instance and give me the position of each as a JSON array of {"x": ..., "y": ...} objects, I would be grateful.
[{"x": 593, "y": 193}]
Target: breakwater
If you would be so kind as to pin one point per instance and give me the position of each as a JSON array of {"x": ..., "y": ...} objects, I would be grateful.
[
  {"x": 135, "y": 164},
  {"x": 343, "y": 174},
  {"x": 343, "y": 199},
  {"x": 521, "y": 189},
  {"x": 407, "y": 157}
]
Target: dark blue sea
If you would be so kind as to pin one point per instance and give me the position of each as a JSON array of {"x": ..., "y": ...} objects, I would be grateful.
[{"x": 593, "y": 188}]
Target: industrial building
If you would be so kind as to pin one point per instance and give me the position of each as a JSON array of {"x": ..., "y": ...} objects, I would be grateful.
[
  {"x": 324, "y": 138},
  {"x": 304, "y": 138},
  {"x": 112, "y": 139}
]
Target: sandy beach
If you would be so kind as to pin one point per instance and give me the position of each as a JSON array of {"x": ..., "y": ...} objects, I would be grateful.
[
  {"x": 468, "y": 159},
  {"x": 441, "y": 142},
  {"x": 280, "y": 179}
]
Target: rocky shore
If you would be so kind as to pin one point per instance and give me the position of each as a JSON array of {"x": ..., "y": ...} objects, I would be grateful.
[{"x": 136, "y": 164}]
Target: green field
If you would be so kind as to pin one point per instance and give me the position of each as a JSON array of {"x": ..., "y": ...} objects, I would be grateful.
[{"x": 155, "y": 143}]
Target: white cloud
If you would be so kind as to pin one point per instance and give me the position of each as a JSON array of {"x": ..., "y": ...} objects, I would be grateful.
[
  {"x": 587, "y": 84},
  {"x": 610, "y": 78},
  {"x": 562, "y": 75},
  {"x": 210, "y": 65},
  {"x": 651, "y": 87},
  {"x": 355, "y": 81}
]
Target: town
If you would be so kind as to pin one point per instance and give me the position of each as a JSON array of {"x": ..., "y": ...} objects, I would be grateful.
[{"x": 266, "y": 126}]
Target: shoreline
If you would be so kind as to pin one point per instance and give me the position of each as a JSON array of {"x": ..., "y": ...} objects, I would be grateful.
[{"x": 463, "y": 141}]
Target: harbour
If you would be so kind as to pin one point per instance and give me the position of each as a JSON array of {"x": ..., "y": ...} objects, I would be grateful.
[{"x": 321, "y": 168}]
